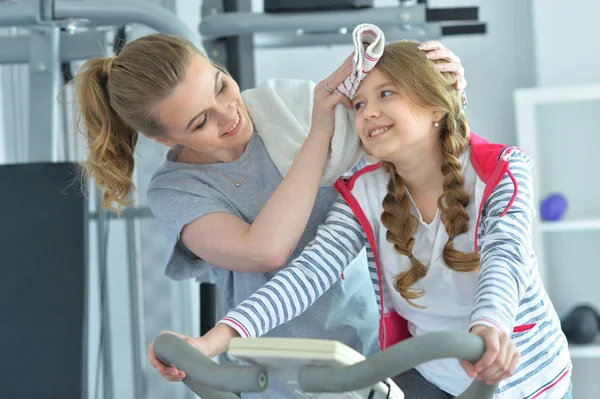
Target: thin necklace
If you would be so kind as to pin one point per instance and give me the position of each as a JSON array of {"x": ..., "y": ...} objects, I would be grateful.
[{"x": 236, "y": 183}]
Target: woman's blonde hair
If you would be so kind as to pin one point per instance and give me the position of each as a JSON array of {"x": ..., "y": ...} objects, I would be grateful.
[
  {"x": 115, "y": 96},
  {"x": 425, "y": 86}
]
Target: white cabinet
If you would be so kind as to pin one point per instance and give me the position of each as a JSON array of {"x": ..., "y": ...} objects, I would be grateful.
[{"x": 560, "y": 128}]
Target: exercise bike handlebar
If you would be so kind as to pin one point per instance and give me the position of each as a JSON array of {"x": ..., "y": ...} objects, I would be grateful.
[
  {"x": 211, "y": 380},
  {"x": 204, "y": 377},
  {"x": 398, "y": 359}
]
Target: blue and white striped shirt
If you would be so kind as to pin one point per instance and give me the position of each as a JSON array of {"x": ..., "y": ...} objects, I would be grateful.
[{"x": 507, "y": 292}]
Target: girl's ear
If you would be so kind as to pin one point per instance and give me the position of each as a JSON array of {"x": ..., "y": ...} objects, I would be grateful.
[{"x": 438, "y": 116}]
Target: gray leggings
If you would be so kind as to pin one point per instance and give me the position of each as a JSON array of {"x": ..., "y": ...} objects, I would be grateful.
[{"x": 415, "y": 386}]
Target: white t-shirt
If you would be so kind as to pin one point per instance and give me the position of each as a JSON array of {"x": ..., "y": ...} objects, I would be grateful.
[{"x": 449, "y": 295}]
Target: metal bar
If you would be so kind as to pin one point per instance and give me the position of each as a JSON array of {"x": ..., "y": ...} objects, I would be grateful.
[
  {"x": 136, "y": 300},
  {"x": 464, "y": 29},
  {"x": 398, "y": 359},
  {"x": 208, "y": 307},
  {"x": 14, "y": 50},
  {"x": 132, "y": 228},
  {"x": 452, "y": 14},
  {"x": 44, "y": 86},
  {"x": 19, "y": 13},
  {"x": 428, "y": 31},
  {"x": 105, "y": 331},
  {"x": 240, "y": 49},
  {"x": 216, "y": 49},
  {"x": 414, "y": 32},
  {"x": 245, "y": 23},
  {"x": 202, "y": 370},
  {"x": 121, "y": 13},
  {"x": 14, "y": 118},
  {"x": 72, "y": 47},
  {"x": 335, "y": 379},
  {"x": 85, "y": 350}
]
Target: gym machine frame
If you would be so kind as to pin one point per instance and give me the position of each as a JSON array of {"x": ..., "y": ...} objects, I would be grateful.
[
  {"x": 211, "y": 380},
  {"x": 52, "y": 41}
]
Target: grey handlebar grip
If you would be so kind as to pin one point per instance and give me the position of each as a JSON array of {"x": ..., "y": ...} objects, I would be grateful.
[
  {"x": 396, "y": 360},
  {"x": 205, "y": 377}
]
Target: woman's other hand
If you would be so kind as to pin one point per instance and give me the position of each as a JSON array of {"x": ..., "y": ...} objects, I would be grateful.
[{"x": 437, "y": 51}]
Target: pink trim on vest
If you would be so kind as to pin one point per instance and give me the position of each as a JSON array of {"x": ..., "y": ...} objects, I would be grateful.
[
  {"x": 364, "y": 222},
  {"x": 350, "y": 183},
  {"x": 563, "y": 375},
  {"x": 523, "y": 328},
  {"x": 398, "y": 327},
  {"x": 490, "y": 168}
]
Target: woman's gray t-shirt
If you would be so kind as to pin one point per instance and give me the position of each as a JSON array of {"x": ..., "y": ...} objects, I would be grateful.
[{"x": 180, "y": 193}]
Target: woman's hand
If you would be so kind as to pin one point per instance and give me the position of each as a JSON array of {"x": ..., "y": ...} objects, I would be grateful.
[
  {"x": 326, "y": 97},
  {"x": 213, "y": 343},
  {"x": 499, "y": 360},
  {"x": 436, "y": 51}
]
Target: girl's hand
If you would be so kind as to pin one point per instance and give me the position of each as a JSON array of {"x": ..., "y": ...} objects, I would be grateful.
[
  {"x": 172, "y": 373},
  {"x": 499, "y": 360},
  {"x": 213, "y": 343}
]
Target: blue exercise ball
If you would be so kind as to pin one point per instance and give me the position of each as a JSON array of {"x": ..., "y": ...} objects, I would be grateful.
[{"x": 553, "y": 207}]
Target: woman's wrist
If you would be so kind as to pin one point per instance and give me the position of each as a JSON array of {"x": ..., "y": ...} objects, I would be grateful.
[
  {"x": 318, "y": 143},
  {"x": 319, "y": 134}
]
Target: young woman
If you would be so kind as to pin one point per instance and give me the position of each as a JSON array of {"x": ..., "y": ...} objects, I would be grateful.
[
  {"x": 446, "y": 217},
  {"x": 223, "y": 203}
]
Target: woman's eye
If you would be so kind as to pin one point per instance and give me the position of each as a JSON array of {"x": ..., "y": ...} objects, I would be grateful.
[
  {"x": 386, "y": 93},
  {"x": 203, "y": 123},
  {"x": 223, "y": 87}
]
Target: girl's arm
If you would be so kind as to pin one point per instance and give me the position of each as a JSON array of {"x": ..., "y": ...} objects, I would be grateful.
[
  {"x": 294, "y": 289},
  {"x": 506, "y": 271},
  {"x": 506, "y": 249}
]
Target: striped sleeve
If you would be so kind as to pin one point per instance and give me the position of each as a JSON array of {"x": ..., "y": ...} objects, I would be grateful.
[
  {"x": 295, "y": 288},
  {"x": 506, "y": 248}
]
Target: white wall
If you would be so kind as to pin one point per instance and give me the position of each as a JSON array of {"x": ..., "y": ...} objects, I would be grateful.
[{"x": 567, "y": 42}]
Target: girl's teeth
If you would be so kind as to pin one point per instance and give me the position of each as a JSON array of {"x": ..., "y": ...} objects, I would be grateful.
[{"x": 379, "y": 131}]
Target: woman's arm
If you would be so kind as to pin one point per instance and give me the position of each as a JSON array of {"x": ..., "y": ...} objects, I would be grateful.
[
  {"x": 294, "y": 289},
  {"x": 226, "y": 241}
]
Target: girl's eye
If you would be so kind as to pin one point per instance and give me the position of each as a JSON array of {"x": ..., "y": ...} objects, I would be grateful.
[
  {"x": 358, "y": 105},
  {"x": 386, "y": 93}
]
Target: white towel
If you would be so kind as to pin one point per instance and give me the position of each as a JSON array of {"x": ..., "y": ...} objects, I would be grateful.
[
  {"x": 281, "y": 111},
  {"x": 369, "y": 42}
]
